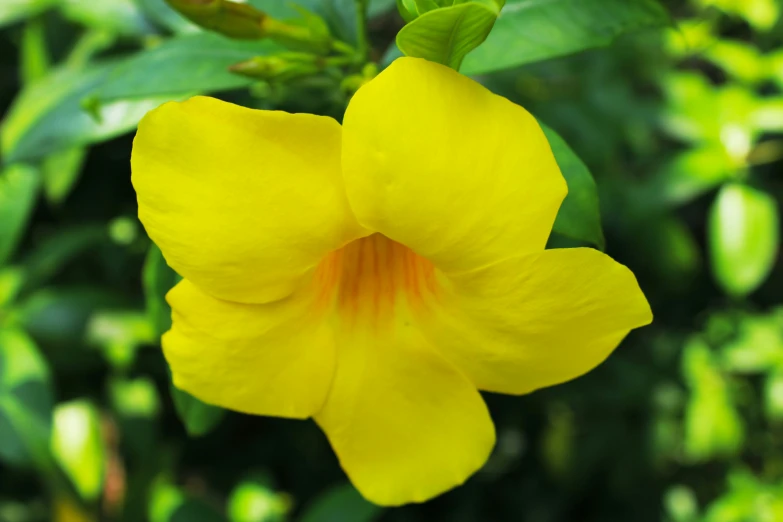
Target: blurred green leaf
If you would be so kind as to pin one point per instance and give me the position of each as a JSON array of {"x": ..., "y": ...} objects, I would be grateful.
[
  {"x": 692, "y": 173},
  {"x": 34, "y": 53},
  {"x": 198, "y": 417},
  {"x": 254, "y": 502},
  {"x": 77, "y": 446},
  {"x": 747, "y": 500},
  {"x": 681, "y": 504},
  {"x": 51, "y": 115},
  {"x": 739, "y": 59},
  {"x": 55, "y": 251},
  {"x": 773, "y": 394},
  {"x": 448, "y": 34},
  {"x": 135, "y": 397},
  {"x": 169, "y": 504},
  {"x": 158, "y": 278},
  {"x": 61, "y": 171},
  {"x": 14, "y": 10},
  {"x": 59, "y": 316},
  {"x": 25, "y": 400},
  {"x": 18, "y": 192},
  {"x": 713, "y": 428},
  {"x": 743, "y": 238},
  {"x": 532, "y": 30},
  {"x": 11, "y": 279},
  {"x": 761, "y": 14},
  {"x": 159, "y": 12},
  {"x": 579, "y": 216},
  {"x": 341, "y": 504},
  {"x": 118, "y": 16},
  {"x": 191, "y": 63},
  {"x": 757, "y": 345},
  {"x": 120, "y": 334}
]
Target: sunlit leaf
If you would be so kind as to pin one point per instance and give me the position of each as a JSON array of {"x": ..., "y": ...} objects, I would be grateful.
[
  {"x": 119, "y": 16},
  {"x": 712, "y": 425},
  {"x": 78, "y": 448},
  {"x": 254, "y": 502},
  {"x": 18, "y": 192},
  {"x": 743, "y": 238},
  {"x": 532, "y": 30},
  {"x": 447, "y": 34},
  {"x": 341, "y": 504},
  {"x": 135, "y": 397},
  {"x": 579, "y": 216},
  {"x": 693, "y": 172},
  {"x": 25, "y": 400},
  {"x": 14, "y": 10}
]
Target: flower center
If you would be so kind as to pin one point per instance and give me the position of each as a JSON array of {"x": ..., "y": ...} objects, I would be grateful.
[{"x": 372, "y": 277}]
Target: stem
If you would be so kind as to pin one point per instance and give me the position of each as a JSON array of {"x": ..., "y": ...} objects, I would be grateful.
[{"x": 362, "y": 37}]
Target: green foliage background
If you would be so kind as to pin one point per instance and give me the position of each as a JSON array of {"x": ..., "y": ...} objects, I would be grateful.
[{"x": 669, "y": 115}]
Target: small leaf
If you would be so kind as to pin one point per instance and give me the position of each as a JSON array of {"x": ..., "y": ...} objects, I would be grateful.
[
  {"x": 78, "y": 447},
  {"x": 692, "y": 173},
  {"x": 712, "y": 425},
  {"x": 447, "y": 34},
  {"x": 254, "y": 502},
  {"x": 533, "y": 30},
  {"x": 341, "y": 504},
  {"x": 25, "y": 400},
  {"x": 18, "y": 192},
  {"x": 190, "y": 63},
  {"x": 158, "y": 278},
  {"x": 60, "y": 172},
  {"x": 580, "y": 215},
  {"x": 198, "y": 417},
  {"x": 743, "y": 238}
]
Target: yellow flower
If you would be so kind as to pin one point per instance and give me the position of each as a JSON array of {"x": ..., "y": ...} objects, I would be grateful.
[{"x": 375, "y": 275}]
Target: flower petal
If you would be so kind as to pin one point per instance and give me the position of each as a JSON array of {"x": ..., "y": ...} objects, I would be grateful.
[
  {"x": 433, "y": 160},
  {"x": 241, "y": 202},
  {"x": 536, "y": 320},
  {"x": 268, "y": 359},
  {"x": 405, "y": 424}
]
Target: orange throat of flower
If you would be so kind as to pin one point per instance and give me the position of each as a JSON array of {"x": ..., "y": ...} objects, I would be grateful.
[{"x": 373, "y": 279}]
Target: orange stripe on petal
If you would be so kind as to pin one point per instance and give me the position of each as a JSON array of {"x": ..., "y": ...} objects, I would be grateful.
[{"x": 369, "y": 278}]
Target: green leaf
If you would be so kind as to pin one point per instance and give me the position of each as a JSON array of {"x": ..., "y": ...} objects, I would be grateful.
[
  {"x": 50, "y": 115},
  {"x": 579, "y": 216},
  {"x": 120, "y": 334},
  {"x": 61, "y": 171},
  {"x": 533, "y": 30},
  {"x": 188, "y": 63},
  {"x": 169, "y": 503},
  {"x": 59, "y": 316},
  {"x": 447, "y": 34},
  {"x": 341, "y": 504},
  {"x": 160, "y": 13},
  {"x": 25, "y": 400},
  {"x": 14, "y": 10},
  {"x": 18, "y": 192},
  {"x": 158, "y": 278},
  {"x": 743, "y": 238},
  {"x": 135, "y": 398},
  {"x": 77, "y": 446},
  {"x": 198, "y": 417},
  {"x": 117, "y": 16},
  {"x": 34, "y": 54},
  {"x": 55, "y": 251},
  {"x": 254, "y": 502},
  {"x": 712, "y": 425},
  {"x": 693, "y": 172},
  {"x": 773, "y": 395}
]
